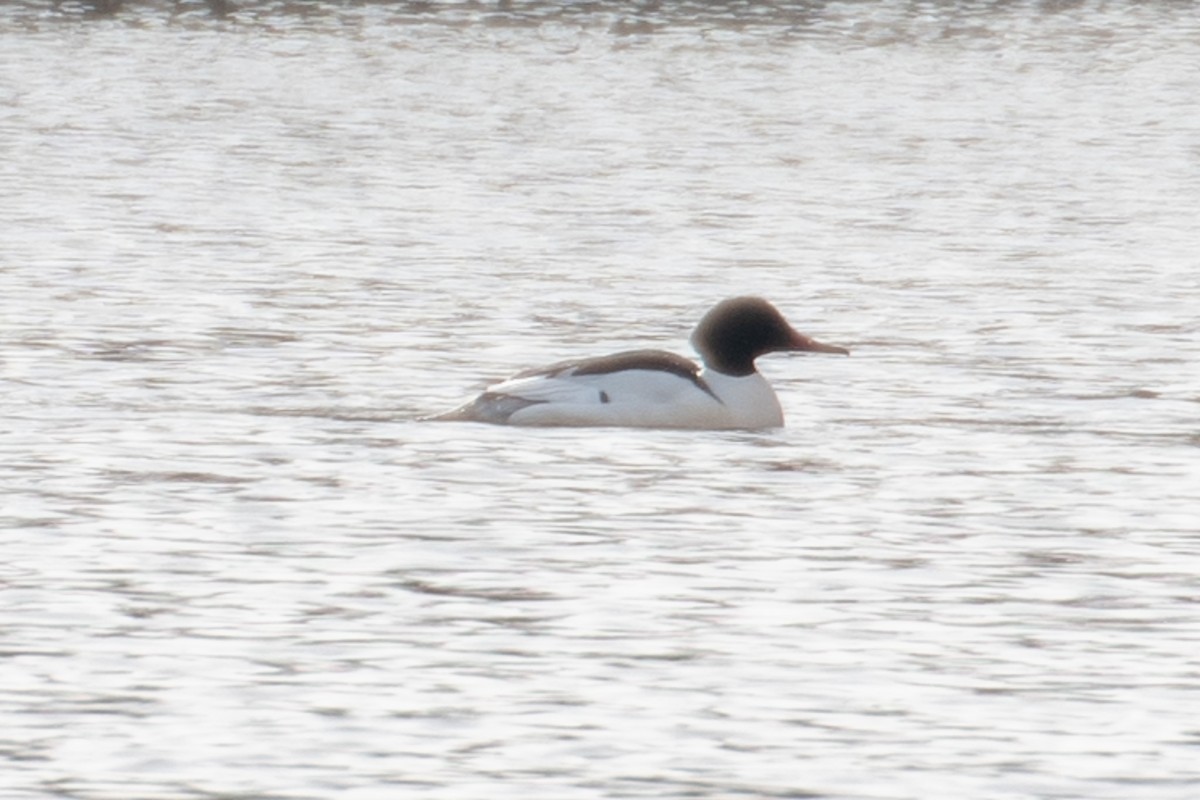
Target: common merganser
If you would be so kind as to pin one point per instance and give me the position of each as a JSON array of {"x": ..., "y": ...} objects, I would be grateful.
[{"x": 654, "y": 388}]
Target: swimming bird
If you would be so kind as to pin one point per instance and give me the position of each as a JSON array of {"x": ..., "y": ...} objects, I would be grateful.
[{"x": 655, "y": 388}]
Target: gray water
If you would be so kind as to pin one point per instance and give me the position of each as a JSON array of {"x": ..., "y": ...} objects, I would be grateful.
[{"x": 240, "y": 255}]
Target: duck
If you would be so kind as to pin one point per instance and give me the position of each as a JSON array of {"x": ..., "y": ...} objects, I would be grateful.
[{"x": 657, "y": 388}]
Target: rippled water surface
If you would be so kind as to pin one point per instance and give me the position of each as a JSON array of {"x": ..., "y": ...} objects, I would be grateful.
[{"x": 242, "y": 253}]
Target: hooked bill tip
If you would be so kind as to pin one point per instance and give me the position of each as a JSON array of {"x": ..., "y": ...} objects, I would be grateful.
[{"x": 802, "y": 342}]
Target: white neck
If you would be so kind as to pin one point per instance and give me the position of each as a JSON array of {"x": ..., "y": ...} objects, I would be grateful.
[{"x": 750, "y": 400}]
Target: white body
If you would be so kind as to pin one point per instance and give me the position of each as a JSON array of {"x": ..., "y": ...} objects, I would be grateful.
[{"x": 644, "y": 398}]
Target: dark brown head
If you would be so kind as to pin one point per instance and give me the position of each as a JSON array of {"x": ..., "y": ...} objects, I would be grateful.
[{"x": 738, "y": 330}]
